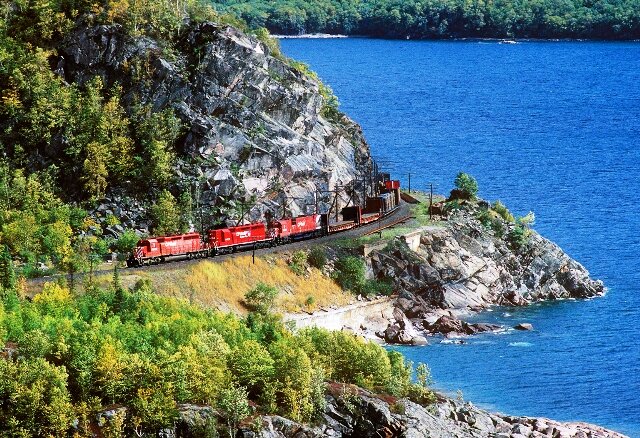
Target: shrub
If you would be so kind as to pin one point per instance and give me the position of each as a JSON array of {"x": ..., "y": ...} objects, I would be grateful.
[
  {"x": 317, "y": 257},
  {"x": 466, "y": 185},
  {"x": 519, "y": 235},
  {"x": 349, "y": 273},
  {"x": 503, "y": 211},
  {"x": 377, "y": 287},
  {"x": 234, "y": 404},
  {"x": 298, "y": 262},
  {"x": 125, "y": 243},
  {"x": 262, "y": 298},
  {"x": 420, "y": 391}
]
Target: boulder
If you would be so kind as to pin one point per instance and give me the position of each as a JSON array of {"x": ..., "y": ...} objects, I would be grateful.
[
  {"x": 419, "y": 340},
  {"x": 524, "y": 326}
]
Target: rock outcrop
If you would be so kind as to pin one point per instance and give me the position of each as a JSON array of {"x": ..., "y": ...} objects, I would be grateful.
[
  {"x": 359, "y": 413},
  {"x": 463, "y": 267},
  {"x": 255, "y": 130}
]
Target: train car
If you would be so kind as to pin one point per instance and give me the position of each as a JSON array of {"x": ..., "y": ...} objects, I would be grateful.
[
  {"x": 158, "y": 249},
  {"x": 301, "y": 227},
  {"x": 226, "y": 240},
  {"x": 381, "y": 204},
  {"x": 392, "y": 184}
]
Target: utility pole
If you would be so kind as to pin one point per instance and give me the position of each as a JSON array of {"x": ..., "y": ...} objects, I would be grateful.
[{"x": 430, "y": 200}]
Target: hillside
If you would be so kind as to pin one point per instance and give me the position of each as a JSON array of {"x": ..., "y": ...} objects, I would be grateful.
[
  {"x": 155, "y": 117},
  {"x": 604, "y": 19}
]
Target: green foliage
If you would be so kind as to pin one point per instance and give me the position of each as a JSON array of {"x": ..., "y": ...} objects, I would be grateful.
[
  {"x": 157, "y": 132},
  {"x": 466, "y": 185},
  {"x": 420, "y": 392},
  {"x": 442, "y": 18},
  {"x": 317, "y": 257},
  {"x": 7, "y": 273},
  {"x": 165, "y": 214},
  {"x": 132, "y": 347},
  {"x": 36, "y": 401},
  {"x": 235, "y": 406},
  {"x": 349, "y": 273},
  {"x": 126, "y": 242},
  {"x": 298, "y": 262},
  {"x": 503, "y": 211},
  {"x": 261, "y": 298},
  {"x": 519, "y": 235},
  {"x": 251, "y": 365}
]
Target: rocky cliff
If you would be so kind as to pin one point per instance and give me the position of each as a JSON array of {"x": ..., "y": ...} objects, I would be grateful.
[
  {"x": 463, "y": 267},
  {"x": 255, "y": 126}
]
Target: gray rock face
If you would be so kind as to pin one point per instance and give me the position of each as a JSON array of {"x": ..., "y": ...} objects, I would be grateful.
[
  {"x": 465, "y": 267},
  {"x": 364, "y": 415},
  {"x": 254, "y": 124}
]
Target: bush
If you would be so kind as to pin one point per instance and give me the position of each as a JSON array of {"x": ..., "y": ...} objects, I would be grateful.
[
  {"x": 349, "y": 273},
  {"x": 503, "y": 211},
  {"x": 262, "y": 298},
  {"x": 317, "y": 257},
  {"x": 298, "y": 262},
  {"x": 377, "y": 287},
  {"x": 125, "y": 243},
  {"x": 466, "y": 185},
  {"x": 518, "y": 237}
]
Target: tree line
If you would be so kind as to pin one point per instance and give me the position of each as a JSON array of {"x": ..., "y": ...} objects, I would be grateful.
[
  {"x": 590, "y": 19},
  {"x": 68, "y": 357}
]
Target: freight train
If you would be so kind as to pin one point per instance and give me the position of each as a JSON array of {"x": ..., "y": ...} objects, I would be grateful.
[{"x": 155, "y": 250}]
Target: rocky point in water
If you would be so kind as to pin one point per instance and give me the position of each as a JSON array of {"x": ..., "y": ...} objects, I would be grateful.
[{"x": 463, "y": 267}]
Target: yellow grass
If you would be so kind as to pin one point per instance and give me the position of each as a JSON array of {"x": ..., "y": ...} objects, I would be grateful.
[
  {"x": 225, "y": 284},
  {"x": 222, "y": 285}
]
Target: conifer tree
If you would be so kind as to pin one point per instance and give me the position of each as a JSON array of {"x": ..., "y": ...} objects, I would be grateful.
[{"x": 7, "y": 273}]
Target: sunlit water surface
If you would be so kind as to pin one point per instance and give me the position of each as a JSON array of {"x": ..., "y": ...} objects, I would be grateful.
[{"x": 549, "y": 127}]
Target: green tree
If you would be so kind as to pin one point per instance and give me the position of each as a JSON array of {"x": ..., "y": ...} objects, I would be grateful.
[
  {"x": 35, "y": 399},
  {"x": 466, "y": 185},
  {"x": 234, "y": 404},
  {"x": 165, "y": 214},
  {"x": 7, "y": 273},
  {"x": 251, "y": 366}
]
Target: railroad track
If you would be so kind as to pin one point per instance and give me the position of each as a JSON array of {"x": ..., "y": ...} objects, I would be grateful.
[
  {"x": 391, "y": 225},
  {"x": 387, "y": 222}
]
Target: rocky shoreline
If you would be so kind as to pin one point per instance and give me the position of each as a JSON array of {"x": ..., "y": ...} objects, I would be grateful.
[
  {"x": 442, "y": 275},
  {"x": 462, "y": 268},
  {"x": 354, "y": 412}
]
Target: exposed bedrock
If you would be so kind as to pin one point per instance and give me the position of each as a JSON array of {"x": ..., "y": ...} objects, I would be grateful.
[
  {"x": 463, "y": 267},
  {"x": 254, "y": 125}
]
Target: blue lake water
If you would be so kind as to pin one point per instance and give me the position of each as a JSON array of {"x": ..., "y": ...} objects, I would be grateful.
[{"x": 548, "y": 127}]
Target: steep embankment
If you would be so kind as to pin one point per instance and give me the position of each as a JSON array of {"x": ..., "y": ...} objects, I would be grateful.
[{"x": 257, "y": 129}]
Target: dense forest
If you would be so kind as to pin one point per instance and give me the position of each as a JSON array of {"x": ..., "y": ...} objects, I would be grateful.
[
  {"x": 68, "y": 357},
  {"x": 598, "y": 19}
]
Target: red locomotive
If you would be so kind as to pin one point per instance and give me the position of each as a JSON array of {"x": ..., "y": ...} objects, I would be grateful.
[{"x": 155, "y": 250}]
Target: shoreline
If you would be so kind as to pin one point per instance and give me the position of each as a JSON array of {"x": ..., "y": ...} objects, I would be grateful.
[{"x": 505, "y": 40}]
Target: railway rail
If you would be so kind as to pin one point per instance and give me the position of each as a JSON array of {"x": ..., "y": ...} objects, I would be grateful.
[{"x": 398, "y": 216}]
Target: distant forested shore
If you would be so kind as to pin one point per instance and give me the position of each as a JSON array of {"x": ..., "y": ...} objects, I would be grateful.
[{"x": 435, "y": 19}]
